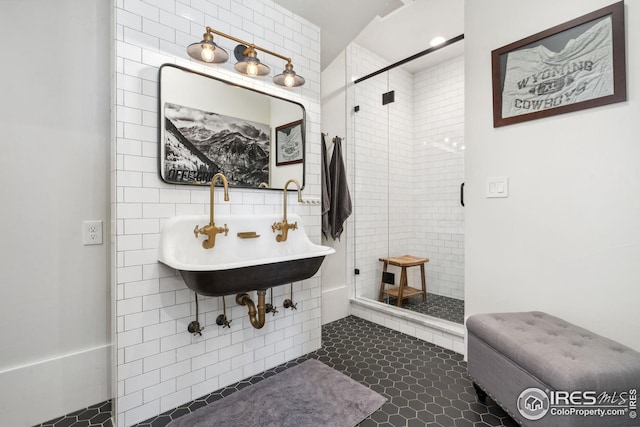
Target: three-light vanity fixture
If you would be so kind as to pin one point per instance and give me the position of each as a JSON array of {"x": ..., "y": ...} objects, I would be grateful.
[{"x": 248, "y": 63}]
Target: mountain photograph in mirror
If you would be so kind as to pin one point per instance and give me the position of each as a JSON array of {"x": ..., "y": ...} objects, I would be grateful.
[
  {"x": 198, "y": 144},
  {"x": 289, "y": 146}
]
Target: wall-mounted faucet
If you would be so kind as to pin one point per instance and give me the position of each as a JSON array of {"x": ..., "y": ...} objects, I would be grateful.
[
  {"x": 284, "y": 226},
  {"x": 211, "y": 230}
]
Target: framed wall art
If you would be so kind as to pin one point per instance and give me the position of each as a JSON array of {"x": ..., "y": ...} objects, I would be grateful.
[
  {"x": 289, "y": 146},
  {"x": 576, "y": 65}
]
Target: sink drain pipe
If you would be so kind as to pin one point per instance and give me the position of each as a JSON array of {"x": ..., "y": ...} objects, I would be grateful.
[{"x": 256, "y": 316}]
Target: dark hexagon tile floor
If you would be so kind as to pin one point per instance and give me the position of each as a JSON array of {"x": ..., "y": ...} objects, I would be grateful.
[
  {"x": 425, "y": 385},
  {"x": 94, "y": 416}
]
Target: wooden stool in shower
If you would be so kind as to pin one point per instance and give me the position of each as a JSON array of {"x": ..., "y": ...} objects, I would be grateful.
[{"x": 403, "y": 290}]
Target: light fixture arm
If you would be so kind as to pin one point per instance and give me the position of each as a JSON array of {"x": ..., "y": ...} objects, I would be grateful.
[
  {"x": 209, "y": 52},
  {"x": 249, "y": 45}
]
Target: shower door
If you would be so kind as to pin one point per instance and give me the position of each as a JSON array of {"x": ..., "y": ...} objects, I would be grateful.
[
  {"x": 383, "y": 208},
  {"x": 407, "y": 137},
  {"x": 371, "y": 183}
]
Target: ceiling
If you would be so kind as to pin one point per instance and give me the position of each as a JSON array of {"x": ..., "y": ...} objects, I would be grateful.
[{"x": 406, "y": 30}]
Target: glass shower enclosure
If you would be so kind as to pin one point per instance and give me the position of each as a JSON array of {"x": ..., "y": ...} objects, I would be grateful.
[{"x": 406, "y": 137}]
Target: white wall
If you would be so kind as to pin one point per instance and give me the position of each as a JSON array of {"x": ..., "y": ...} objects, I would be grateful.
[
  {"x": 567, "y": 239},
  {"x": 159, "y": 364},
  {"x": 54, "y": 120},
  {"x": 335, "y": 292}
]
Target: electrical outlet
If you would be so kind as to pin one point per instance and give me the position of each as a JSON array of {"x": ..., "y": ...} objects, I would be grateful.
[{"x": 92, "y": 232}]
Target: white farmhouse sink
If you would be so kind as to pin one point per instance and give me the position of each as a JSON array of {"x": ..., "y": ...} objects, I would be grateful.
[{"x": 235, "y": 264}]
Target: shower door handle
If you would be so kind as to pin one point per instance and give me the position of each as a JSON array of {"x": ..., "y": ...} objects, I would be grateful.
[{"x": 462, "y": 194}]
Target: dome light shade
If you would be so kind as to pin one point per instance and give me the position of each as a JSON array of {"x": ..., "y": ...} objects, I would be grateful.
[
  {"x": 289, "y": 78},
  {"x": 251, "y": 66},
  {"x": 207, "y": 51}
]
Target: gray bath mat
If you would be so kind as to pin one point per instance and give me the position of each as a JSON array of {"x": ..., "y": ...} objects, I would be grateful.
[{"x": 310, "y": 394}]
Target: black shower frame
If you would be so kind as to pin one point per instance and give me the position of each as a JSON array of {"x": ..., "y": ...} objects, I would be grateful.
[{"x": 411, "y": 58}]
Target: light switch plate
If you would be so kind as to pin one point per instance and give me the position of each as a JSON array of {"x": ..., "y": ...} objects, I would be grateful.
[{"x": 498, "y": 186}]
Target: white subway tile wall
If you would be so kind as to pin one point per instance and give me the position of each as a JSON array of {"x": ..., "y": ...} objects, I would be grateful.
[
  {"x": 159, "y": 365},
  {"x": 439, "y": 168},
  {"x": 406, "y": 163}
]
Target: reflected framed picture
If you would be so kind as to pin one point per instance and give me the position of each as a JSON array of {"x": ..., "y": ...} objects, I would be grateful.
[
  {"x": 289, "y": 145},
  {"x": 576, "y": 65}
]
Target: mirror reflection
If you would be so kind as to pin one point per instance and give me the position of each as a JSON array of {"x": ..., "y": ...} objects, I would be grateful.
[{"x": 209, "y": 126}]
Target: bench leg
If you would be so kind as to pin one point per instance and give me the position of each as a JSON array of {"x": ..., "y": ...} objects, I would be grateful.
[
  {"x": 403, "y": 283},
  {"x": 482, "y": 396},
  {"x": 424, "y": 283}
]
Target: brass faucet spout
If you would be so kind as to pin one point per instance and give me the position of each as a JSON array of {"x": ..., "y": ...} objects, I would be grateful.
[
  {"x": 284, "y": 226},
  {"x": 211, "y": 230},
  {"x": 294, "y": 181},
  {"x": 225, "y": 184}
]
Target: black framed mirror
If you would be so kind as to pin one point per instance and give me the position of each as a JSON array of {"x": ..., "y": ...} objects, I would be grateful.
[{"x": 208, "y": 125}]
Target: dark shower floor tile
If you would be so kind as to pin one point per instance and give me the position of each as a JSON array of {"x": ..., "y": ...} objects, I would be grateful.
[
  {"x": 447, "y": 308},
  {"x": 424, "y": 384}
]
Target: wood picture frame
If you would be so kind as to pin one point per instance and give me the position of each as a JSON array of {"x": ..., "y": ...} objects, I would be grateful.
[
  {"x": 290, "y": 143},
  {"x": 575, "y": 65}
]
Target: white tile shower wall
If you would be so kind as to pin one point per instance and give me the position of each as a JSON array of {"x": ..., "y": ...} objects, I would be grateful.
[
  {"x": 402, "y": 178},
  {"x": 439, "y": 168},
  {"x": 407, "y": 166},
  {"x": 159, "y": 364}
]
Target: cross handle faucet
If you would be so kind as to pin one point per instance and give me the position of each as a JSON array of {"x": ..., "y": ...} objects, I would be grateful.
[
  {"x": 284, "y": 226},
  {"x": 211, "y": 230}
]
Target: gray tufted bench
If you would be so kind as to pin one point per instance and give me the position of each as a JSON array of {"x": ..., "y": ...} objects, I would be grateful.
[{"x": 510, "y": 353}]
